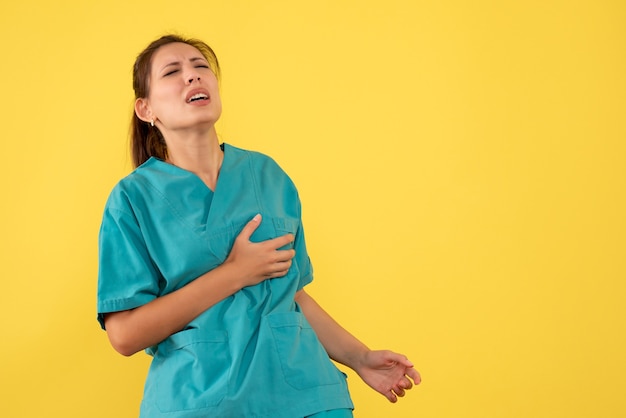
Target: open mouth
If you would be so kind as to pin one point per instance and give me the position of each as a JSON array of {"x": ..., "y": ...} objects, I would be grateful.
[{"x": 197, "y": 97}]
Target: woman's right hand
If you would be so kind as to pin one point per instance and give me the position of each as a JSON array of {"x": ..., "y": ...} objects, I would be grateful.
[{"x": 254, "y": 262}]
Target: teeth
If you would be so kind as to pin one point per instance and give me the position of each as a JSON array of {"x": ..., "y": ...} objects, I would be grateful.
[{"x": 199, "y": 96}]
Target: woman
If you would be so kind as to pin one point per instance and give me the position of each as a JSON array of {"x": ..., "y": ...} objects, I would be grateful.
[{"x": 203, "y": 264}]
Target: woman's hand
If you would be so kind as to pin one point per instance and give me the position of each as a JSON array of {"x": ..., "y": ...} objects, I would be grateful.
[
  {"x": 254, "y": 262},
  {"x": 387, "y": 372}
]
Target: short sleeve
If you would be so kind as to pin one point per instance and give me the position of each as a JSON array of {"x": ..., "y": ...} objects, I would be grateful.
[
  {"x": 127, "y": 277},
  {"x": 302, "y": 258}
]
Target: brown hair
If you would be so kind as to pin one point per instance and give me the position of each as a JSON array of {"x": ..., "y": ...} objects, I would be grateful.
[{"x": 145, "y": 140}]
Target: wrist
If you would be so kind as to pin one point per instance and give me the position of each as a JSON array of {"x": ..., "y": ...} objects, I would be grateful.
[
  {"x": 357, "y": 358},
  {"x": 231, "y": 276}
]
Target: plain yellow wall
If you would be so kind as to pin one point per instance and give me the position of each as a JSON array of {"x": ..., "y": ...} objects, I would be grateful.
[{"x": 461, "y": 165}]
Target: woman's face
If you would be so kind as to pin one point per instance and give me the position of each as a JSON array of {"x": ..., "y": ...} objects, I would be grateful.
[{"x": 183, "y": 91}]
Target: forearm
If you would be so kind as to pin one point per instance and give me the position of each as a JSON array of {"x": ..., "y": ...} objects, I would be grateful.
[
  {"x": 340, "y": 345},
  {"x": 247, "y": 264},
  {"x": 136, "y": 329}
]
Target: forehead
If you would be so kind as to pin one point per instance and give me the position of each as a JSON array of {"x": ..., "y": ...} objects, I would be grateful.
[{"x": 174, "y": 52}]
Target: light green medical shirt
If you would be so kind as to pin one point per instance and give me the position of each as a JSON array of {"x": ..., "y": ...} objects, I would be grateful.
[{"x": 251, "y": 355}]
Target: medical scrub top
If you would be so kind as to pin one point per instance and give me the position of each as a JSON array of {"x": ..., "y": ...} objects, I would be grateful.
[{"x": 251, "y": 355}]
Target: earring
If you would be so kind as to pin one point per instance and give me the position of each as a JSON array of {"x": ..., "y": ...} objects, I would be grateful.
[{"x": 152, "y": 122}]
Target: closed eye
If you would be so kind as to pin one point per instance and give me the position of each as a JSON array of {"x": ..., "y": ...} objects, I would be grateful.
[{"x": 170, "y": 73}]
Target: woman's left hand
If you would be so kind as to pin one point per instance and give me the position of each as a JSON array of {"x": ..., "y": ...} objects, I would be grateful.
[{"x": 389, "y": 373}]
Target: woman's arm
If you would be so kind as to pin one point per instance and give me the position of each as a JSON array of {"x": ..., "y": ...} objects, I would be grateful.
[
  {"x": 385, "y": 371},
  {"x": 248, "y": 263}
]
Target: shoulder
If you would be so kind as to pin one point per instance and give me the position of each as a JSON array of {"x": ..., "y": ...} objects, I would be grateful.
[
  {"x": 131, "y": 186},
  {"x": 268, "y": 174},
  {"x": 256, "y": 159}
]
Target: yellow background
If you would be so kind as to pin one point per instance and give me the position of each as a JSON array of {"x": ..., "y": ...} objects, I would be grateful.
[{"x": 461, "y": 165}]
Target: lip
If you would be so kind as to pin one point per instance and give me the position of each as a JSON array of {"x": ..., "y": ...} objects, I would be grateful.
[{"x": 193, "y": 92}]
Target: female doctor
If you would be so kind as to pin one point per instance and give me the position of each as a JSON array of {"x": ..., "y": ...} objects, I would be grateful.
[{"x": 203, "y": 263}]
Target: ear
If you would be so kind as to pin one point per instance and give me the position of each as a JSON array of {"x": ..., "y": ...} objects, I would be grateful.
[{"x": 143, "y": 110}]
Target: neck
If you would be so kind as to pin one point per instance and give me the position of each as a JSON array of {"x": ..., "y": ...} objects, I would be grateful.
[{"x": 198, "y": 152}]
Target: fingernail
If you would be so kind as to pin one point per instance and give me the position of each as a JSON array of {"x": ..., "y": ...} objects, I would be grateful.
[{"x": 257, "y": 217}]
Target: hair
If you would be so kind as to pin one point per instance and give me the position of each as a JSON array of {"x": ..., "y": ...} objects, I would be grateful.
[{"x": 145, "y": 140}]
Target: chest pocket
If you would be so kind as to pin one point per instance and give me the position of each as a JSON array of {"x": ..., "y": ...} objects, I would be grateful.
[
  {"x": 220, "y": 242},
  {"x": 273, "y": 228},
  {"x": 285, "y": 226}
]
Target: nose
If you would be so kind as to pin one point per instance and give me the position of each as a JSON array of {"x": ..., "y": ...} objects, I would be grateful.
[
  {"x": 191, "y": 74},
  {"x": 193, "y": 78}
]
